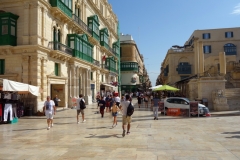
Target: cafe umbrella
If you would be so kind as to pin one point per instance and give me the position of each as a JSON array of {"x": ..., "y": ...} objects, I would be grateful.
[{"x": 165, "y": 88}]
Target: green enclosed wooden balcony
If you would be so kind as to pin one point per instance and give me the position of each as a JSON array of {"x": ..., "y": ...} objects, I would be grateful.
[
  {"x": 129, "y": 66},
  {"x": 8, "y": 29},
  {"x": 62, "y": 6},
  {"x": 85, "y": 57}
]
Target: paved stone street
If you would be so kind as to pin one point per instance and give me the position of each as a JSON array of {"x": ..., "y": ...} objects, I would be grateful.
[{"x": 216, "y": 137}]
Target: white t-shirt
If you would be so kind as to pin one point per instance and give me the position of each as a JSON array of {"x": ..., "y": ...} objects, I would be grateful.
[
  {"x": 125, "y": 105},
  {"x": 51, "y": 104},
  {"x": 78, "y": 101},
  {"x": 117, "y": 99}
]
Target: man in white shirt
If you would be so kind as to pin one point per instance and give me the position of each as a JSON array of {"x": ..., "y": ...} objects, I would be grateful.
[
  {"x": 50, "y": 110},
  {"x": 79, "y": 110},
  {"x": 126, "y": 120}
]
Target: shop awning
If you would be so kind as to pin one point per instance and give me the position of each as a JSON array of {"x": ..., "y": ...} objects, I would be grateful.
[
  {"x": 108, "y": 85},
  {"x": 14, "y": 86}
]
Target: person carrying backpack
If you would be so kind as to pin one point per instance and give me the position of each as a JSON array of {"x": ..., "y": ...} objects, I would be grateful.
[
  {"x": 127, "y": 111},
  {"x": 80, "y": 108}
]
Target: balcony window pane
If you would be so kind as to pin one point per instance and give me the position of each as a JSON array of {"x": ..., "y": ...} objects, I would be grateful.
[
  {"x": 13, "y": 30},
  {"x": 4, "y": 29}
]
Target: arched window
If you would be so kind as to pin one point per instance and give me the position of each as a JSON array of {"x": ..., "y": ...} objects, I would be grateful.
[{"x": 230, "y": 49}]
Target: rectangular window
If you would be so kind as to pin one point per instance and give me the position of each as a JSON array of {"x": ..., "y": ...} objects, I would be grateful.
[
  {"x": 102, "y": 78},
  {"x": 56, "y": 69},
  {"x": 2, "y": 66},
  {"x": 206, "y": 36},
  {"x": 91, "y": 75},
  {"x": 72, "y": 44},
  {"x": 4, "y": 29},
  {"x": 228, "y": 34},
  {"x": 207, "y": 49},
  {"x": 13, "y": 30}
]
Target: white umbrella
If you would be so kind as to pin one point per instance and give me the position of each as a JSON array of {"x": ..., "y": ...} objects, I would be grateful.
[{"x": 155, "y": 87}]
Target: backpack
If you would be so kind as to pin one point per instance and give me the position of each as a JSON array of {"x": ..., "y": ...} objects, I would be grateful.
[
  {"x": 82, "y": 104},
  {"x": 130, "y": 109}
]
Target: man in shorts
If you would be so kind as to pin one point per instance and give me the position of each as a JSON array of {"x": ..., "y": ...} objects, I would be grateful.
[
  {"x": 126, "y": 120},
  {"x": 50, "y": 110},
  {"x": 79, "y": 110}
]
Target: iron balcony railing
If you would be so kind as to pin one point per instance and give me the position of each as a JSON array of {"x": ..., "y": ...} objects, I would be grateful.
[
  {"x": 81, "y": 23},
  {"x": 112, "y": 50},
  {"x": 61, "y": 47},
  {"x": 97, "y": 63}
]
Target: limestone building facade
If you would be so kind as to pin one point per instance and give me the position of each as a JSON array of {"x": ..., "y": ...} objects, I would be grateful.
[
  {"x": 208, "y": 61},
  {"x": 132, "y": 65},
  {"x": 66, "y": 47}
]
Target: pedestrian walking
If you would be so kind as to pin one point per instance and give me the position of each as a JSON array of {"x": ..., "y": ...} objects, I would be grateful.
[
  {"x": 126, "y": 116},
  {"x": 107, "y": 101},
  {"x": 80, "y": 108},
  {"x": 117, "y": 100},
  {"x": 111, "y": 100},
  {"x": 50, "y": 110},
  {"x": 145, "y": 99},
  {"x": 155, "y": 108},
  {"x": 102, "y": 106},
  {"x": 56, "y": 100},
  {"x": 151, "y": 98},
  {"x": 115, "y": 110},
  {"x": 139, "y": 98}
]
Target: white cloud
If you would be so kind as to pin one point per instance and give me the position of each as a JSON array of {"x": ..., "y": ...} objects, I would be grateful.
[{"x": 236, "y": 10}]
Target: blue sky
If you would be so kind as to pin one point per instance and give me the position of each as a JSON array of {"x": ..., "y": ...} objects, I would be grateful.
[{"x": 156, "y": 25}]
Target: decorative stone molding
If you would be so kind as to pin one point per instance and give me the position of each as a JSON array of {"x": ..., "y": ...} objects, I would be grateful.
[{"x": 26, "y": 5}]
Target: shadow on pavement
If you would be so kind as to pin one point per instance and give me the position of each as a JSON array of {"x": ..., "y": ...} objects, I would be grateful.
[
  {"x": 64, "y": 123},
  {"x": 233, "y": 137},
  {"x": 104, "y": 136},
  {"x": 238, "y": 132},
  {"x": 30, "y": 129},
  {"x": 97, "y": 128}
]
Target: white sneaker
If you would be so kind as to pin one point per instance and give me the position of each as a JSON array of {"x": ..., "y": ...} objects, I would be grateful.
[
  {"x": 78, "y": 122},
  {"x": 113, "y": 126},
  {"x": 52, "y": 125},
  {"x": 84, "y": 121},
  {"x": 48, "y": 128}
]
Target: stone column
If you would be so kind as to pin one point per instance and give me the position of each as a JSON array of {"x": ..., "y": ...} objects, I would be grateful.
[
  {"x": 196, "y": 56},
  {"x": 222, "y": 63},
  {"x": 98, "y": 81},
  {"x": 44, "y": 79},
  {"x": 86, "y": 83},
  {"x": 25, "y": 67},
  {"x": 201, "y": 58},
  {"x": 26, "y": 24},
  {"x": 73, "y": 79},
  {"x": 77, "y": 81},
  {"x": 83, "y": 79}
]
